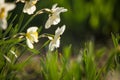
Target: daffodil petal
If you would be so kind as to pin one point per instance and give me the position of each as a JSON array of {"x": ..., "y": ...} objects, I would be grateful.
[
  {"x": 48, "y": 23},
  {"x": 28, "y": 8},
  {"x": 29, "y": 43},
  {"x": 57, "y": 43},
  {"x": 60, "y": 10},
  {"x": 9, "y": 6},
  {"x": 50, "y": 38},
  {"x": 31, "y": 36},
  {"x": 54, "y": 6},
  {"x": 2, "y": 1},
  {"x": 52, "y": 20},
  {"x": 59, "y": 31},
  {"x": 3, "y": 23},
  {"x": 32, "y": 29},
  {"x": 35, "y": 38},
  {"x": 4, "y": 8},
  {"x": 51, "y": 46},
  {"x": 56, "y": 20}
]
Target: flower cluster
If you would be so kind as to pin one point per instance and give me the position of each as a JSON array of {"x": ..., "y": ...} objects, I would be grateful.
[{"x": 32, "y": 34}]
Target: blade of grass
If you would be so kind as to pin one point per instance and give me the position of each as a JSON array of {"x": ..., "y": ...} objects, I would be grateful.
[
  {"x": 10, "y": 26},
  {"x": 28, "y": 21},
  {"x": 115, "y": 41}
]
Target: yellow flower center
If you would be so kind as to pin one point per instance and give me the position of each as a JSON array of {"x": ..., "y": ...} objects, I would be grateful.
[
  {"x": 31, "y": 34},
  {"x": 2, "y": 13},
  {"x": 34, "y": 2}
]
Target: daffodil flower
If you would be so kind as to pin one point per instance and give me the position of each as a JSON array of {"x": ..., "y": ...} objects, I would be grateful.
[
  {"x": 29, "y": 7},
  {"x": 55, "y": 42},
  {"x": 54, "y": 17},
  {"x": 4, "y": 8},
  {"x": 32, "y": 36}
]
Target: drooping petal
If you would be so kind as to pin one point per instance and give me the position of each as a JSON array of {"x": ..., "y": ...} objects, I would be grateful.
[
  {"x": 9, "y": 6},
  {"x": 52, "y": 20},
  {"x": 2, "y": 1},
  {"x": 50, "y": 38},
  {"x": 29, "y": 43},
  {"x": 54, "y": 6},
  {"x": 33, "y": 2},
  {"x": 56, "y": 19},
  {"x": 32, "y": 29},
  {"x": 32, "y": 36},
  {"x": 23, "y": 1},
  {"x": 35, "y": 37},
  {"x": 3, "y": 23},
  {"x": 57, "y": 43},
  {"x": 48, "y": 23},
  {"x": 51, "y": 46},
  {"x": 60, "y": 10},
  {"x": 4, "y": 8},
  {"x": 54, "y": 44},
  {"x": 29, "y": 8},
  {"x": 59, "y": 31}
]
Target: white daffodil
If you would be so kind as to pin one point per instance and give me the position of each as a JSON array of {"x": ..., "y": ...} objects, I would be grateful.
[
  {"x": 32, "y": 36},
  {"x": 55, "y": 43},
  {"x": 4, "y": 8},
  {"x": 54, "y": 17},
  {"x": 29, "y": 7}
]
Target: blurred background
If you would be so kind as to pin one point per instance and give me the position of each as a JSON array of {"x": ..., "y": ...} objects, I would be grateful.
[{"x": 85, "y": 20}]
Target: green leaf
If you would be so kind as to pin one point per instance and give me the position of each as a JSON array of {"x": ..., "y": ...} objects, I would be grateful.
[
  {"x": 115, "y": 40},
  {"x": 28, "y": 21}
]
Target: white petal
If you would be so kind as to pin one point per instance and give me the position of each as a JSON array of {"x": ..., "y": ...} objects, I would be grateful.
[
  {"x": 54, "y": 6},
  {"x": 62, "y": 29},
  {"x": 57, "y": 43},
  {"x": 2, "y": 1},
  {"x": 9, "y": 6},
  {"x": 59, "y": 31},
  {"x": 50, "y": 38},
  {"x": 28, "y": 8},
  {"x": 29, "y": 43},
  {"x": 3, "y": 23},
  {"x": 52, "y": 20},
  {"x": 35, "y": 38},
  {"x": 23, "y": 1},
  {"x": 54, "y": 44},
  {"x": 48, "y": 23},
  {"x": 32, "y": 29},
  {"x": 56, "y": 20},
  {"x": 51, "y": 46},
  {"x": 59, "y": 10}
]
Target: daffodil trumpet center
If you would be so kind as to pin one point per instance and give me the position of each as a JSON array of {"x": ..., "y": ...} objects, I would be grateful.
[
  {"x": 31, "y": 34},
  {"x": 2, "y": 13}
]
